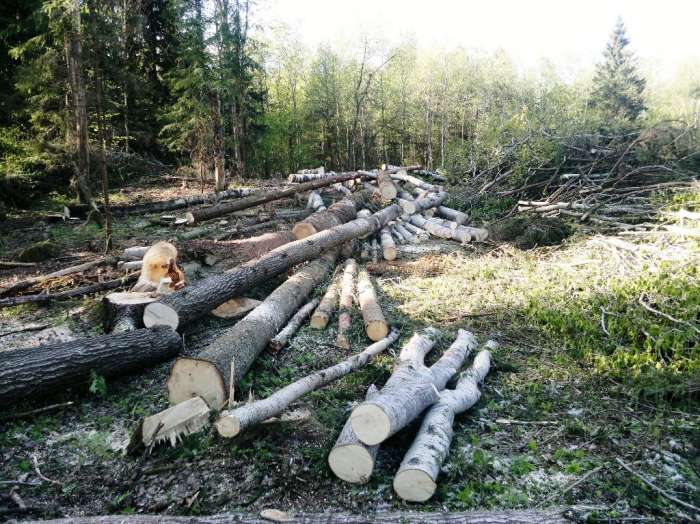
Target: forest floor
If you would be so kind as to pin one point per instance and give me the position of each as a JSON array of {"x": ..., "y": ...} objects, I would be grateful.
[{"x": 554, "y": 418}]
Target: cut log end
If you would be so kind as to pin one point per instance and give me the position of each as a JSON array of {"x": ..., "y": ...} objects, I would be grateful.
[
  {"x": 377, "y": 330},
  {"x": 370, "y": 423},
  {"x": 351, "y": 463},
  {"x": 193, "y": 377},
  {"x": 390, "y": 253},
  {"x": 303, "y": 230},
  {"x": 159, "y": 314},
  {"x": 414, "y": 485},
  {"x": 319, "y": 320},
  {"x": 190, "y": 217},
  {"x": 228, "y": 426}
]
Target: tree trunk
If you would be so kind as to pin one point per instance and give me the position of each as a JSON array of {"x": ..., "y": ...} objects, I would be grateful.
[
  {"x": 403, "y": 176},
  {"x": 411, "y": 388},
  {"x": 196, "y": 300},
  {"x": 407, "y": 235},
  {"x": 339, "y": 213},
  {"x": 386, "y": 187},
  {"x": 208, "y": 373},
  {"x": 388, "y": 246},
  {"x": 453, "y": 214},
  {"x": 231, "y": 253},
  {"x": 415, "y": 481},
  {"x": 434, "y": 229},
  {"x": 197, "y": 215},
  {"x": 375, "y": 323},
  {"x": 430, "y": 201},
  {"x": 31, "y": 372},
  {"x": 350, "y": 459},
  {"x": 124, "y": 310},
  {"x": 315, "y": 202},
  {"x": 420, "y": 233},
  {"x": 235, "y": 421},
  {"x": 328, "y": 305},
  {"x": 347, "y": 291},
  {"x": 293, "y": 325}
]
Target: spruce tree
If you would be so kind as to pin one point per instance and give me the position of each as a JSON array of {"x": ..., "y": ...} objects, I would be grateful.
[{"x": 618, "y": 90}]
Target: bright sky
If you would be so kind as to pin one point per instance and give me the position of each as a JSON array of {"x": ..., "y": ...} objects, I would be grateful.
[{"x": 570, "y": 33}]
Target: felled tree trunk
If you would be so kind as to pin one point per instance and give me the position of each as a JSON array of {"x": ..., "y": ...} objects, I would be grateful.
[
  {"x": 201, "y": 297},
  {"x": 347, "y": 290},
  {"x": 403, "y": 176},
  {"x": 429, "y": 201},
  {"x": 315, "y": 202},
  {"x": 31, "y": 372},
  {"x": 411, "y": 388},
  {"x": 208, "y": 374},
  {"x": 375, "y": 323},
  {"x": 417, "y": 231},
  {"x": 407, "y": 235},
  {"x": 388, "y": 246},
  {"x": 416, "y": 478},
  {"x": 453, "y": 214},
  {"x": 431, "y": 227},
  {"x": 339, "y": 213},
  {"x": 124, "y": 310},
  {"x": 328, "y": 305},
  {"x": 350, "y": 459},
  {"x": 386, "y": 186},
  {"x": 233, "y": 422},
  {"x": 293, "y": 325}
]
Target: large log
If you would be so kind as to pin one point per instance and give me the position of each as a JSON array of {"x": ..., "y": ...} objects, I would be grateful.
[
  {"x": 429, "y": 201},
  {"x": 235, "y": 421},
  {"x": 431, "y": 227},
  {"x": 453, "y": 214},
  {"x": 375, "y": 323},
  {"x": 231, "y": 253},
  {"x": 411, "y": 388},
  {"x": 386, "y": 187},
  {"x": 29, "y": 372},
  {"x": 339, "y": 213},
  {"x": 347, "y": 291},
  {"x": 416, "y": 478},
  {"x": 201, "y": 297},
  {"x": 198, "y": 215},
  {"x": 208, "y": 374},
  {"x": 124, "y": 310}
]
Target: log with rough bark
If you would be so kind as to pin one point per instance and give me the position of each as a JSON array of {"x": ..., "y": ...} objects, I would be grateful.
[
  {"x": 453, "y": 215},
  {"x": 376, "y": 326},
  {"x": 388, "y": 246},
  {"x": 416, "y": 479},
  {"x": 233, "y": 422},
  {"x": 411, "y": 388},
  {"x": 405, "y": 233},
  {"x": 434, "y": 229},
  {"x": 339, "y": 213},
  {"x": 124, "y": 310},
  {"x": 231, "y": 253},
  {"x": 315, "y": 202},
  {"x": 327, "y": 307},
  {"x": 347, "y": 291},
  {"x": 31, "y": 372},
  {"x": 207, "y": 374},
  {"x": 198, "y": 215},
  {"x": 375, "y": 250},
  {"x": 430, "y": 201},
  {"x": 417, "y": 231},
  {"x": 403, "y": 176},
  {"x": 386, "y": 186},
  {"x": 279, "y": 341},
  {"x": 201, "y": 297},
  {"x": 477, "y": 233},
  {"x": 351, "y": 459}
]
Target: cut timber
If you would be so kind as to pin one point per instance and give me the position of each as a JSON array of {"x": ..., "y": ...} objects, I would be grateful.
[
  {"x": 350, "y": 459},
  {"x": 207, "y": 374},
  {"x": 235, "y": 421},
  {"x": 461, "y": 234},
  {"x": 388, "y": 246},
  {"x": 446, "y": 223},
  {"x": 198, "y": 215},
  {"x": 403, "y": 176},
  {"x": 339, "y": 213},
  {"x": 347, "y": 290},
  {"x": 477, "y": 233},
  {"x": 236, "y": 307},
  {"x": 453, "y": 214},
  {"x": 431, "y": 227},
  {"x": 430, "y": 201},
  {"x": 411, "y": 388},
  {"x": 328, "y": 305},
  {"x": 201, "y": 297},
  {"x": 375, "y": 323},
  {"x": 124, "y": 310},
  {"x": 231, "y": 253},
  {"x": 375, "y": 250},
  {"x": 416, "y": 479},
  {"x": 407, "y": 235},
  {"x": 30, "y": 372},
  {"x": 293, "y": 325},
  {"x": 408, "y": 206},
  {"x": 315, "y": 202},
  {"x": 399, "y": 234},
  {"x": 387, "y": 189},
  {"x": 419, "y": 232}
]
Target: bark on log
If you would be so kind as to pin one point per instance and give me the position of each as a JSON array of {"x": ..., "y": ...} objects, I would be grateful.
[
  {"x": 201, "y": 297},
  {"x": 411, "y": 388},
  {"x": 293, "y": 325},
  {"x": 430, "y": 201},
  {"x": 235, "y": 421},
  {"x": 403, "y": 176},
  {"x": 327, "y": 307},
  {"x": 386, "y": 186},
  {"x": 405, "y": 233},
  {"x": 231, "y": 253},
  {"x": 198, "y": 215},
  {"x": 442, "y": 222},
  {"x": 416, "y": 479},
  {"x": 208, "y": 373},
  {"x": 375, "y": 250},
  {"x": 124, "y": 310},
  {"x": 350, "y": 459},
  {"x": 477, "y": 233},
  {"x": 461, "y": 234},
  {"x": 315, "y": 202},
  {"x": 347, "y": 291},
  {"x": 453, "y": 215},
  {"x": 520, "y": 516},
  {"x": 375, "y": 324},
  {"x": 339, "y": 213},
  {"x": 30, "y": 372},
  {"x": 388, "y": 246},
  {"x": 408, "y": 206},
  {"x": 431, "y": 227},
  {"x": 417, "y": 231}
]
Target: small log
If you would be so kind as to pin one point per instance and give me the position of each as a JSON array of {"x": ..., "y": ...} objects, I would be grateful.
[
  {"x": 431, "y": 227},
  {"x": 36, "y": 371},
  {"x": 233, "y": 422},
  {"x": 399, "y": 234},
  {"x": 407, "y": 235},
  {"x": 347, "y": 290},
  {"x": 124, "y": 310},
  {"x": 461, "y": 234},
  {"x": 328, "y": 305},
  {"x": 389, "y": 250},
  {"x": 403, "y": 176},
  {"x": 293, "y": 325},
  {"x": 416, "y": 479},
  {"x": 431, "y": 200},
  {"x": 375, "y": 324},
  {"x": 417, "y": 231},
  {"x": 477, "y": 233},
  {"x": 453, "y": 215},
  {"x": 375, "y": 250},
  {"x": 315, "y": 202},
  {"x": 350, "y": 459},
  {"x": 445, "y": 223},
  {"x": 386, "y": 186},
  {"x": 339, "y": 213},
  {"x": 411, "y": 388},
  {"x": 131, "y": 265}
]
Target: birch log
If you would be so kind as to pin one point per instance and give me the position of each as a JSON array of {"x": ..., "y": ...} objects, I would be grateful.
[
  {"x": 453, "y": 214},
  {"x": 416, "y": 478},
  {"x": 431, "y": 227},
  {"x": 411, "y": 388},
  {"x": 315, "y": 202},
  {"x": 386, "y": 186},
  {"x": 350, "y": 459},
  {"x": 293, "y": 325},
  {"x": 233, "y": 422},
  {"x": 327, "y": 307},
  {"x": 375, "y": 324},
  {"x": 430, "y": 201},
  {"x": 388, "y": 246},
  {"x": 347, "y": 291},
  {"x": 417, "y": 231},
  {"x": 207, "y": 374},
  {"x": 407, "y": 235}
]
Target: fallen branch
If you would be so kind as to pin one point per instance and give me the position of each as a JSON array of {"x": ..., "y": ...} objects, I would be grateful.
[{"x": 293, "y": 325}]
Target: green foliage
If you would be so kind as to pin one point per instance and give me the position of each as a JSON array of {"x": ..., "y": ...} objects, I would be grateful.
[
  {"x": 39, "y": 252},
  {"x": 528, "y": 232},
  {"x": 98, "y": 384}
]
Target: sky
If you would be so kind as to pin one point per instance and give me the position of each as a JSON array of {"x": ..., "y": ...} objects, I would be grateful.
[{"x": 570, "y": 34}]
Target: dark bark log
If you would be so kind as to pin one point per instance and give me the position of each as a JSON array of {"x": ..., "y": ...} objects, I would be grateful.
[
  {"x": 232, "y": 253},
  {"x": 30, "y": 372},
  {"x": 124, "y": 311},
  {"x": 339, "y": 213}
]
